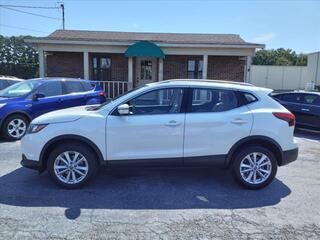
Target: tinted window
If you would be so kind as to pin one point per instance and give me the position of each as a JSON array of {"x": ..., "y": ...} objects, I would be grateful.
[
  {"x": 163, "y": 101},
  {"x": 213, "y": 100},
  {"x": 3, "y": 84},
  {"x": 88, "y": 86},
  {"x": 312, "y": 99},
  {"x": 295, "y": 98},
  {"x": 51, "y": 89},
  {"x": 73, "y": 87}
]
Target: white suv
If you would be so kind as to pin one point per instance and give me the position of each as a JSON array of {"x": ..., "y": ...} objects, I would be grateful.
[{"x": 170, "y": 123}]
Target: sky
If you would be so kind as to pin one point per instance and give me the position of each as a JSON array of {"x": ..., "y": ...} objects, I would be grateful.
[{"x": 277, "y": 23}]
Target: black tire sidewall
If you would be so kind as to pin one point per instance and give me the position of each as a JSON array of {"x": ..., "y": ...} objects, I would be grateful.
[
  {"x": 241, "y": 154},
  {"x": 6, "y": 123},
  {"x": 81, "y": 148}
]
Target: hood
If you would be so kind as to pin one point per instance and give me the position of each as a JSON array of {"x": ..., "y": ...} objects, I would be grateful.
[
  {"x": 8, "y": 100},
  {"x": 65, "y": 115}
]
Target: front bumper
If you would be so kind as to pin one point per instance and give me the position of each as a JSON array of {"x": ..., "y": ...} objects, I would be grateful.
[
  {"x": 289, "y": 156},
  {"x": 35, "y": 165}
]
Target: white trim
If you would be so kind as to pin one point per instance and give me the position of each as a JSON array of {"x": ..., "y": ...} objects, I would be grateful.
[
  {"x": 160, "y": 73},
  {"x": 130, "y": 73},
  {"x": 110, "y": 43},
  {"x": 205, "y": 67},
  {"x": 85, "y": 65},
  {"x": 41, "y": 63}
]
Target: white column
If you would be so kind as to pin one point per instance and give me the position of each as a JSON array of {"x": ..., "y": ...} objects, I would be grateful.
[
  {"x": 41, "y": 63},
  {"x": 248, "y": 69},
  {"x": 160, "y": 73},
  {"x": 85, "y": 65},
  {"x": 205, "y": 67},
  {"x": 130, "y": 73}
]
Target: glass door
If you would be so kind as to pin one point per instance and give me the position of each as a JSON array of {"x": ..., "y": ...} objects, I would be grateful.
[{"x": 101, "y": 68}]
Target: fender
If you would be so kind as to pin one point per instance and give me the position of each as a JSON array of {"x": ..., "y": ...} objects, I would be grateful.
[
  {"x": 235, "y": 147},
  {"x": 70, "y": 137}
]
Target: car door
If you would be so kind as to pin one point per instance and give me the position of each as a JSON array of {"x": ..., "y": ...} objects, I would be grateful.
[
  {"x": 214, "y": 122},
  {"x": 310, "y": 109},
  {"x": 152, "y": 131},
  {"x": 75, "y": 94},
  {"x": 52, "y": 92}
]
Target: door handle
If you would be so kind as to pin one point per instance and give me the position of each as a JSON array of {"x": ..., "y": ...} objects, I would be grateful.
[
  {"x": 305, "y": 109},
  {"x": 239, "y": 121},
  {"x": 172, "y": 123}
]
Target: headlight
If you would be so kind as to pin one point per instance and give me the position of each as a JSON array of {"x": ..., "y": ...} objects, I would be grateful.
[
  {"x": 34, "y": 128},
  {"x": 2, "y": 105}
]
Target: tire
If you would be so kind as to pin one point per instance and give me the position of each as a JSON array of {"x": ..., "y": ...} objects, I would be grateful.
[
  {"x": 265, "y": 173},
  {"x": 15, "y": 127},
  {"x": 56, "y": 165}
]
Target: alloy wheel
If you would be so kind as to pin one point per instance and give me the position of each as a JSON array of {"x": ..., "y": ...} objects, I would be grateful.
[
  {"x": 71, "y": 167},
  {"x": 17, "y": 128},
  {"x": 255, "y": 168}
]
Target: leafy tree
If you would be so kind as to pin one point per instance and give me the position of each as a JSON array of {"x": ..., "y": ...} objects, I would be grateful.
[
  {"x": 280, "y": 57},
  {"x": 18, "y": 58}
]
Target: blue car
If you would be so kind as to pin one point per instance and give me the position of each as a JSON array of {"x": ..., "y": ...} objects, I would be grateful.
[
  {"x": 304, "y": 105},
  {"x": 24, "y": 101}
]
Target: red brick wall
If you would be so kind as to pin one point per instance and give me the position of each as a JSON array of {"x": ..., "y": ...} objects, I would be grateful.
[
  {"x": 175, "y": 66},
  {"x": 226, "y": 68},
  {"x": 64, "y": 64}
]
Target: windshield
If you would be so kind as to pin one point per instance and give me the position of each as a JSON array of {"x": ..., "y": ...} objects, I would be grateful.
[{"x": 19, "y": 89}]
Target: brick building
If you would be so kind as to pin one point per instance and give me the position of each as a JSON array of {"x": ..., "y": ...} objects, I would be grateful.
[{"x": 139, "y": 58}]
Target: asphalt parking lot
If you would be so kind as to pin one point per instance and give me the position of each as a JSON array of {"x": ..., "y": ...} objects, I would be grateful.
[{"x": 162, "y": 203}]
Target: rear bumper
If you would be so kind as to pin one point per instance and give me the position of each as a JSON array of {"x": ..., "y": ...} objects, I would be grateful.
[
  {"x": 35, "y": 165},
  {"x": 289, "y": 156}
]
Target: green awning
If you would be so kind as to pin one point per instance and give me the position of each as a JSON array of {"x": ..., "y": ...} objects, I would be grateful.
[{"x": 144, "y": 49}]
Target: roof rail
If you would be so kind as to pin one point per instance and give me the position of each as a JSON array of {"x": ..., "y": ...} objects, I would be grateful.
[{"x": 208, "y": 80}]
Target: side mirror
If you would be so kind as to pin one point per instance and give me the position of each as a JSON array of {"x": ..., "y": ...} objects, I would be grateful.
[
  {"x": 36, "y": 96},
  {"x": 124, "y": 109}
]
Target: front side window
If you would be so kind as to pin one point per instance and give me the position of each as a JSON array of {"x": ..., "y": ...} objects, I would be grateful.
[
  {"x": 213, "y": 100},
  {"x": 164, "y": 101},
  {"x": 311, "y": 99},
  {"x": 73, "y": 87},
  {"x": 19, "y": 89},
  {"x": 50, "y": 89},
  {"x": 195, "y": 69}
]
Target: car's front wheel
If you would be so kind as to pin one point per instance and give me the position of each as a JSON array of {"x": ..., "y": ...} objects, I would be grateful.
[
  {"x": 15, "y": 127},
  {"x": 72, "y": 165},
  {"x": 255, "y": 167}
]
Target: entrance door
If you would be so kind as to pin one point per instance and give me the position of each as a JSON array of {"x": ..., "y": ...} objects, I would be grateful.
[{"x": 146, "y": 71}]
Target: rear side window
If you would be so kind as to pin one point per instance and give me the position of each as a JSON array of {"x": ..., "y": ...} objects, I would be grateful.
[
  {"x": 294, "y": 97},
  {"x": 51, "y": 89},
  {"x": 88, "y": 86},
  {"x": 213, "y": 100},
  {"x": 73, "y": 87}
]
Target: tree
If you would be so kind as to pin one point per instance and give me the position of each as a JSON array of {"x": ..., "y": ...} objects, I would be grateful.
[
  {"x": 280, "y": 57},
  {"x": 18, "y": 58}
]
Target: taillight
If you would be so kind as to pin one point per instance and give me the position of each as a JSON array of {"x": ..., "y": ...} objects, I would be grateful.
[
  {"x": 288, "y": 117},
  {"x": 102, "y": 94}
]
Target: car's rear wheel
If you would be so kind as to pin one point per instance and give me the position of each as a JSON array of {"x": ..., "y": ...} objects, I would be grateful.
[
  {"x": 255, "y": 167},
  {"x": 15, "y": 127},
  {"x": 72, "y": 165}
]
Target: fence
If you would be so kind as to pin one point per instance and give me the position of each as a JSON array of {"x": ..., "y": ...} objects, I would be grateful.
[{"x": 115, "y": 88}]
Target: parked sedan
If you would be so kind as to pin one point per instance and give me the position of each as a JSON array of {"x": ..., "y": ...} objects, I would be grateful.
[
  {"x": 24, "y": 101},
  {"x": 304, "y": 105},
  {"x": 6, "y": 81},
  {"x": 170, "y": 123}
]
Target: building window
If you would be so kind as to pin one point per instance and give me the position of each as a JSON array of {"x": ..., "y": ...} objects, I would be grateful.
[
  {"x": 101, "y": 68},
  {"x": 195, "y": 69}
]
